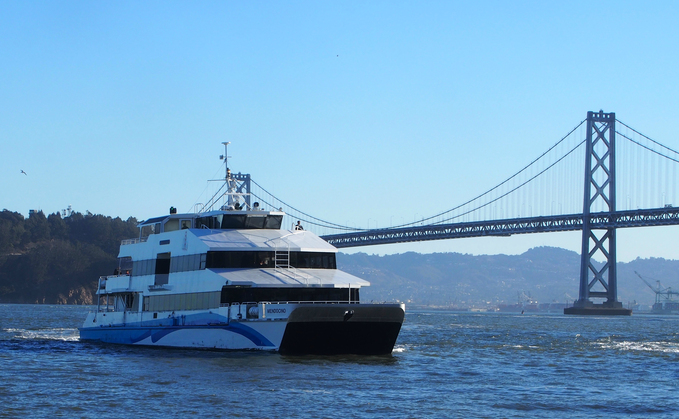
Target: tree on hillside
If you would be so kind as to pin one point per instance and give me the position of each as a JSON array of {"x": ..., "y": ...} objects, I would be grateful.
[
  {"x": 57, "y": 260},
  {"x": 11, "y": 231}
]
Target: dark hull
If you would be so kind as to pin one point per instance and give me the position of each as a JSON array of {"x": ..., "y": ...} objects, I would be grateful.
[
  {"x": 342, "y": 329},
  {"x": 597, "y": 311}
]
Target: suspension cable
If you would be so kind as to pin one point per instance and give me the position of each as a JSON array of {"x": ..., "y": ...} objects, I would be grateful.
[
  {"x": 648, "y": 148},
  {"x": 214, "y": 198},
  {"x": 518, "y": 187},
  {"x": 500, "y": 184},
  {"x": 327, "y": 223},
  {"x": 305, "y": 220},
  {"x": 649, "y": 139}
]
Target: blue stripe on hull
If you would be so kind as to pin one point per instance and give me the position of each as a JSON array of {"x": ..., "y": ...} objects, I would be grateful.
[{"x": 133, "y": 335}]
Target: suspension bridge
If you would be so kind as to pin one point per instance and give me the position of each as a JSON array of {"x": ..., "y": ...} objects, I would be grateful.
[{"x": 601, "y": 176}]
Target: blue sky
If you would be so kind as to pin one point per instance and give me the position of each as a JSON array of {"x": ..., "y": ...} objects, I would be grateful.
[{"x": 355, "y": 112}]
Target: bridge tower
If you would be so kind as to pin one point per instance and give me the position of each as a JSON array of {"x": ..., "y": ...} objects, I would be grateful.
[{"x": 598, "y": 282}]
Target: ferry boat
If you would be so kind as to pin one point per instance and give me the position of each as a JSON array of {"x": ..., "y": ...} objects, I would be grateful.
[{"x": 232, "y": 279}]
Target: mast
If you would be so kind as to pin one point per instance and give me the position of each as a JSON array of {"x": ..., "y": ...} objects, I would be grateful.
[
  {"x": 231, "y": 198},
  {"x": 225, "y": 157}
]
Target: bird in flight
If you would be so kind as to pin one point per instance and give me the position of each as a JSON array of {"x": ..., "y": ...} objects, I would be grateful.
[{"x": 24, "y": 173}]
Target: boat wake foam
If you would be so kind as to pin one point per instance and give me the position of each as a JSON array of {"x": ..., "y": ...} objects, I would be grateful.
[
  {"x": 60, "y": 334},
  {"x": 660, "y": 347}
]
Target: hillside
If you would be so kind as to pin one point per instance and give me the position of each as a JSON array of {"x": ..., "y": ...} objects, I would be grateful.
[
  {"x": 57, "y": 260},
  {"x": 547, "y": 274}
]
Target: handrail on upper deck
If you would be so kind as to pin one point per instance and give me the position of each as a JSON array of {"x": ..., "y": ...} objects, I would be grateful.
[{"x": 133, "y": 241}]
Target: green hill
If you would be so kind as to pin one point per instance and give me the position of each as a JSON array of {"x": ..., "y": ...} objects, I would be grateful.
[{"x": 57, "y": 260}]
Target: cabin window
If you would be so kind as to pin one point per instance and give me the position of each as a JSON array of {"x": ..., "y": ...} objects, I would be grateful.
[
  {"x": 230, "y": 221},
  {"x": 240, "y": 259},
  {"x": 273, "y": 222},
  {"x": 143, "y": 267},
  {"x": 240, "y": 294},
  {"x": 149, "y": 229},
  {"x": 204, "y": 222},
  {"x": 255, "y": 221},
  {"x": 187, "y": 263},
  {"x": 176, "y": 302},
  {"x": 131, "y": 301},
  {"x": 313, "y": 260},
  {"x": 265, "y": 259},
  {"x": 171, "y": 225},
  {"x": 120, "y": 302},
  {"x": 174, "y": 224},
  {"x": 177, "y": 264},
  {"x": 125, "y": 264}
]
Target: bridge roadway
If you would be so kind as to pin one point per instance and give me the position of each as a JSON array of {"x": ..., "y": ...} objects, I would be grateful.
[{"x": 602, "y": 220}]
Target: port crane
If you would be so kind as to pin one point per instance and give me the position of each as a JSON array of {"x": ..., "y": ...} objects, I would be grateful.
[{"x": 664, "y": 297}]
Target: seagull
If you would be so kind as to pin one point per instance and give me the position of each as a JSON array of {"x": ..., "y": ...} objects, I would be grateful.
[{"x": 24, "y": 173}]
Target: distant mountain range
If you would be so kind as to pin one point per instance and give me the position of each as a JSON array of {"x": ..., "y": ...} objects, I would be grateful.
[{"x": 454, "y": 280}]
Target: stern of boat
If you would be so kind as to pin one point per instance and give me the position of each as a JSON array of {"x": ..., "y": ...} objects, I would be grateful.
[{"x": 331, "y": 329}]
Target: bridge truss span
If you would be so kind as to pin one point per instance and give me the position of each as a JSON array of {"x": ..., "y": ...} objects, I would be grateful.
[{"x": 545, "y": 224}]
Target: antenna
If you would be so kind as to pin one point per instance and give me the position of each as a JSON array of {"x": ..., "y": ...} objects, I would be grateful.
[{"x": 225, "y": 157}]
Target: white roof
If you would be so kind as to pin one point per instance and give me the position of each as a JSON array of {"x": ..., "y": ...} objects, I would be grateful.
[
  {"x": 262, "y": 239},
  {"x": 270, "y": 277}
]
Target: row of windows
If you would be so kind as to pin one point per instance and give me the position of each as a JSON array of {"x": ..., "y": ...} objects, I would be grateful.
[
  {"x": 258, "y": 259},
  {"x": 217, "y": 222},
  {"x": 143, "y": 267},
  {"x": 187, "y": 263},
  {"x": 236, "y": 294},
  {"x": 177, "y": 264},
  {"x": 316, "y": 260},
  {"x": 231, "y": 295},
  {"x": 165, "y": 264},
  {"x": 236, "y": 221},
  {"x": 119, "y": 302},
  {"x": 240, "y": 260},
  {"x": 194, "y": 301}
]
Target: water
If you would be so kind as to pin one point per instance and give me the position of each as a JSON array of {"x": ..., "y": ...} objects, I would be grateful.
[{"x": 445, "y": 364}]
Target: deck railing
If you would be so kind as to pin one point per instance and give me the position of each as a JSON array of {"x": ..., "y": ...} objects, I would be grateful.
[{"x": 133, "y": 241}]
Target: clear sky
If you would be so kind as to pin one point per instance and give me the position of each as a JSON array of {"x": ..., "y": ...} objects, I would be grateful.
[{"x": 355, "y": 112}]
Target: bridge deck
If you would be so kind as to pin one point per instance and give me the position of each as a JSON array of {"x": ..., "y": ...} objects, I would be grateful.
[{"x": 572, "y": 222}]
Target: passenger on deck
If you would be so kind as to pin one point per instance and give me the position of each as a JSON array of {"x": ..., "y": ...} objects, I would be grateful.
[{"x": 298, "y": 226}]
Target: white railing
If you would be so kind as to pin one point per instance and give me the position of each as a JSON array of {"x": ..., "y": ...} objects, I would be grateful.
[{"x": 133, "y": 241}]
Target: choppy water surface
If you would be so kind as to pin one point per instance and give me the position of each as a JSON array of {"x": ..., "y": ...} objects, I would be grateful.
[{"x": 446, "y": 364}]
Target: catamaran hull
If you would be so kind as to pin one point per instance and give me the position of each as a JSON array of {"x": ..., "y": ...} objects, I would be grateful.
[
  {"x": 314, "y": 329},
  {"x": 342, "y": 329}
]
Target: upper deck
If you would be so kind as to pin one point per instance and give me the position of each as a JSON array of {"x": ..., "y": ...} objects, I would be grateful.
[{"x": 213, "y": 220}]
